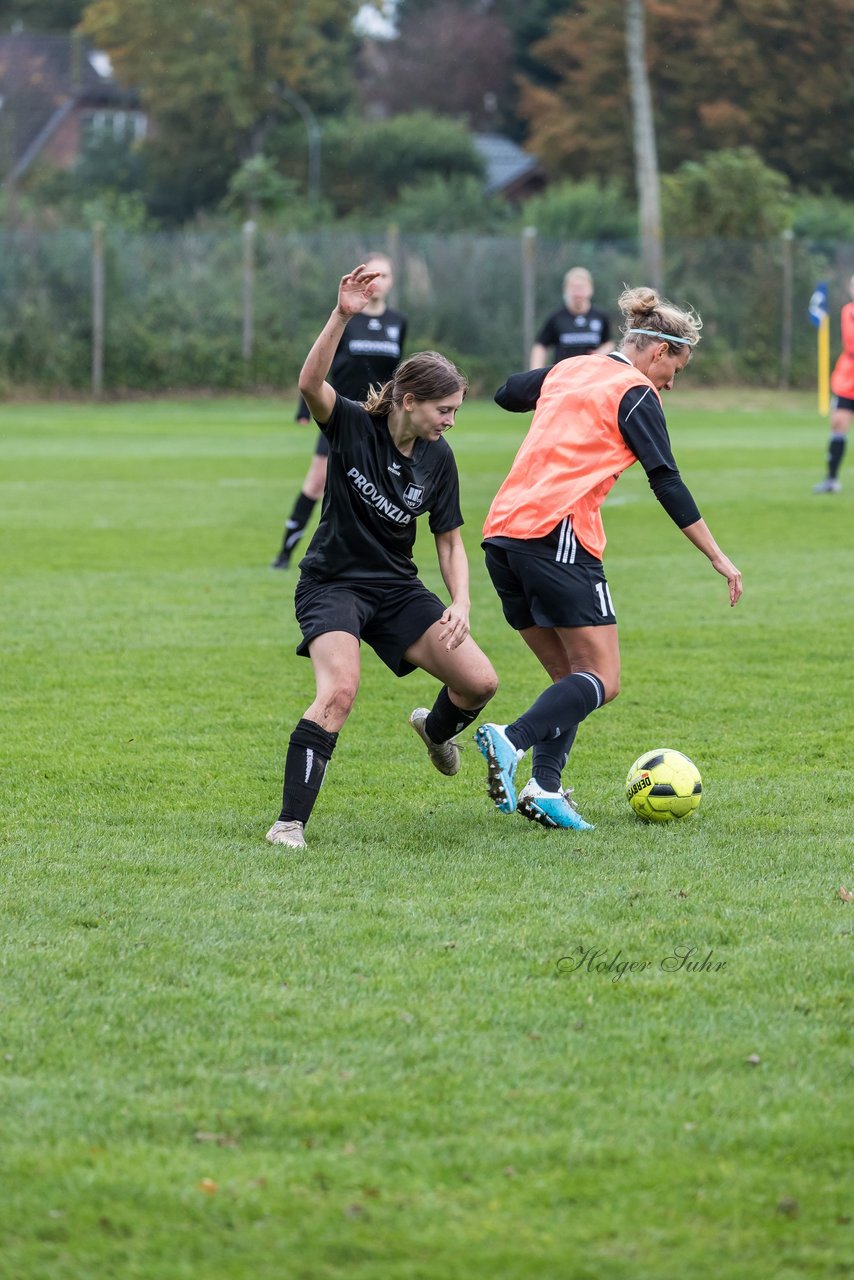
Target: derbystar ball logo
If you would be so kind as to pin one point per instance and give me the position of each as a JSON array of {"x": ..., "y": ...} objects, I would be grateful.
[{"x": 370, "y": 493}]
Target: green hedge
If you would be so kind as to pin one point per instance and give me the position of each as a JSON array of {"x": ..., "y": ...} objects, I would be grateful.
[{"x": 174, "y": 303}]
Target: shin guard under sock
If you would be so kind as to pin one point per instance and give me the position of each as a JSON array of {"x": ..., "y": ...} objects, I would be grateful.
[
  {"x": 559, "y": 708},
  {"x": 446, "y": 719},
  {"x": 297, "y": 521},
  {"x": 549, "y": 758},
  {"x": 309, "y": 752},
  {"x": 835, "y": 454}
]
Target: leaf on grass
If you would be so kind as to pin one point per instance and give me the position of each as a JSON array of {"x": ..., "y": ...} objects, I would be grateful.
[
  {"x": 788, "y": 1206},
  {"x": 221, "y": 1139},
  {"x": 209, "y": 1187},
  {"x": 845, "y": 894},
  {"x": 754, "y": 1059}
]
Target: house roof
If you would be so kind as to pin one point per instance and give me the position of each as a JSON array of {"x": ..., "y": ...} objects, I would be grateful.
[
  {"x": 42, "y": 77},
  {"x": 507, "y": 165}
]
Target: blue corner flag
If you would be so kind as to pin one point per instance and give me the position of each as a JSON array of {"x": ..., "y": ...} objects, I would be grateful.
[
  {"x": 818, "y": 308},
  {"x": 820, "y": 317}
]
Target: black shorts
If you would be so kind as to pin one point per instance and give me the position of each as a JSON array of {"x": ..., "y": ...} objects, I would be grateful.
[
  {"x": 389, "y": 616},
  {"x": 843, "y": 402},
  {"x": 322, "y": 446},
  {"x": 537, "y": 591}
]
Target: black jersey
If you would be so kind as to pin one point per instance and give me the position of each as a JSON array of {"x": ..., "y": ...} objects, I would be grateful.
[
  {"x": 373, "y": 496},
  {"x": 573, "y": 335},
  {"x": 367, "y": 355}
]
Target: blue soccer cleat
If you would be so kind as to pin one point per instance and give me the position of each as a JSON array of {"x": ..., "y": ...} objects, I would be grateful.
[
  {"x": 550, "y": 808},
  {"x": 502, "y": 759}
]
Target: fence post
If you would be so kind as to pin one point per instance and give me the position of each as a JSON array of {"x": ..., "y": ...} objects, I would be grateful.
[
  {"x": 392, "y": 248},
  {"x": 248, "y": 287},
  {"x": 97, "y": 309},
  {"x": 787, "y": 308},
  {"x": 529, "y": 290}
]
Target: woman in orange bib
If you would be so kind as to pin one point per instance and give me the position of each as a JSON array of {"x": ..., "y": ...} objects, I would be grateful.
[
  {"x": 842, "y": 386},
  {"x": 543, "y": 537}
]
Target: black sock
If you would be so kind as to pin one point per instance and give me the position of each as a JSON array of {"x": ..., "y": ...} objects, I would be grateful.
[
  {"x": 297, "y": 521},
  {"x": 549, "y": 758},
  {"x": 557, "y": 710},
  {"x": 309, "y": 752},
  {"x": 835, "y": 454},
  {"x": 447, "y": 719}
]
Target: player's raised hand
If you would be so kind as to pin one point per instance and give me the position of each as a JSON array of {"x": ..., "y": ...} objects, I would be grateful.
[{"x": 356, "y": 290}]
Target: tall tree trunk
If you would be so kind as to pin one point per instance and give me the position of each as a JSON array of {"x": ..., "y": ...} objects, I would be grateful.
[{"x": 646, "y": 155}]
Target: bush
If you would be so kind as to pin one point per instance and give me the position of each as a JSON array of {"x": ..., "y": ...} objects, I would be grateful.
[
  {"x": 730, "y": 194},
  {"x": 440, "y": 204},
  {"x": 586, "y": 210},
  {"x": 364, "y": 165},
  {"x": 823, "y": 218}
]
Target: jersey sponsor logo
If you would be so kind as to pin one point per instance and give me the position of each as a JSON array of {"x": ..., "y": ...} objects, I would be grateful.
[
  {"x": 582, "y": 338},
  {"x": 413, "y": 495},
  {"x": 394, "y": 468},
  {"x": 373, "y": 347},
  {"x": 370, "y": 493}
]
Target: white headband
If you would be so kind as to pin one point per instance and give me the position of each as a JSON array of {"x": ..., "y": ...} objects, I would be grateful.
[{"x": 666, "y": 337}]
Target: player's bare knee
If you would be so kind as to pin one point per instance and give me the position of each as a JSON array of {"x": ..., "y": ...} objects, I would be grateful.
[
  {"x": 339, "y": 701},
  {"x": 487, "y": 688},
  {"x": 477, "y": 690}
]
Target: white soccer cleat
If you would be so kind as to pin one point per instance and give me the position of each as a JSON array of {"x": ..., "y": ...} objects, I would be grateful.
[
  {"x": 828, "y": 486},
  {"x": 550, "y": 808},
  {"x": 444, "y": 755},
  {"x": 291, "y": 834}
]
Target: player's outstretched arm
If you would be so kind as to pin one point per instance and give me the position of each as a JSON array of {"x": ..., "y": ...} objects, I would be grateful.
[
  {"x": 699, "y": 534},
  {"x": 354, "y": 293}
]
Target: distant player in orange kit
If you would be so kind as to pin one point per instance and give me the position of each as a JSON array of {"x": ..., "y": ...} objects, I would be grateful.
[{"x": 842, "y": 386}]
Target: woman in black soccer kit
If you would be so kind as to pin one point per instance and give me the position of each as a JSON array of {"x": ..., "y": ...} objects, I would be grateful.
[
  {"x": 543, "y": 536},
  {"x": 388, "y": 464},
  {"x": 370, "y": 349},
  {"x": 577, "y": 329}
]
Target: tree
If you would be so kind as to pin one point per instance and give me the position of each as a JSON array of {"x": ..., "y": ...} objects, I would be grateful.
[
  {"x": 42, "y": 15},
  {"x": 473, "y": 50},
  {"x": 210, "y": 75},
  {"x": 646, "y": 152},
  {"x": 763, "y": 74},
  {"x": 367, "y": 163},
  {"x": 729, "y": 194},
  {"x": 520, "y": 26},
  {"x": 587, "y": 210}
]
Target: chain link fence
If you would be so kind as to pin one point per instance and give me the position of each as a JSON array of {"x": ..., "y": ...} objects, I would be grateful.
[{"x": 114, "y": 311}]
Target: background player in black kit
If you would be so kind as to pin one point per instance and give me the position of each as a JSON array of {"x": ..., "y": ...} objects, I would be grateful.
[
  {"x": 577, "y": 329},
  {"x": 369, "y": 351},
  {"x": 388, "y": 464}
]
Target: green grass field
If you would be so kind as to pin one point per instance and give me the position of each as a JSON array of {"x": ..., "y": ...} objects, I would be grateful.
[{"x": 365, "y": 1060}]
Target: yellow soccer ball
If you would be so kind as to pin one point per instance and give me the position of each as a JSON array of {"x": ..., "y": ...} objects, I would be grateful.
[{"x": 663, "y": 785}]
